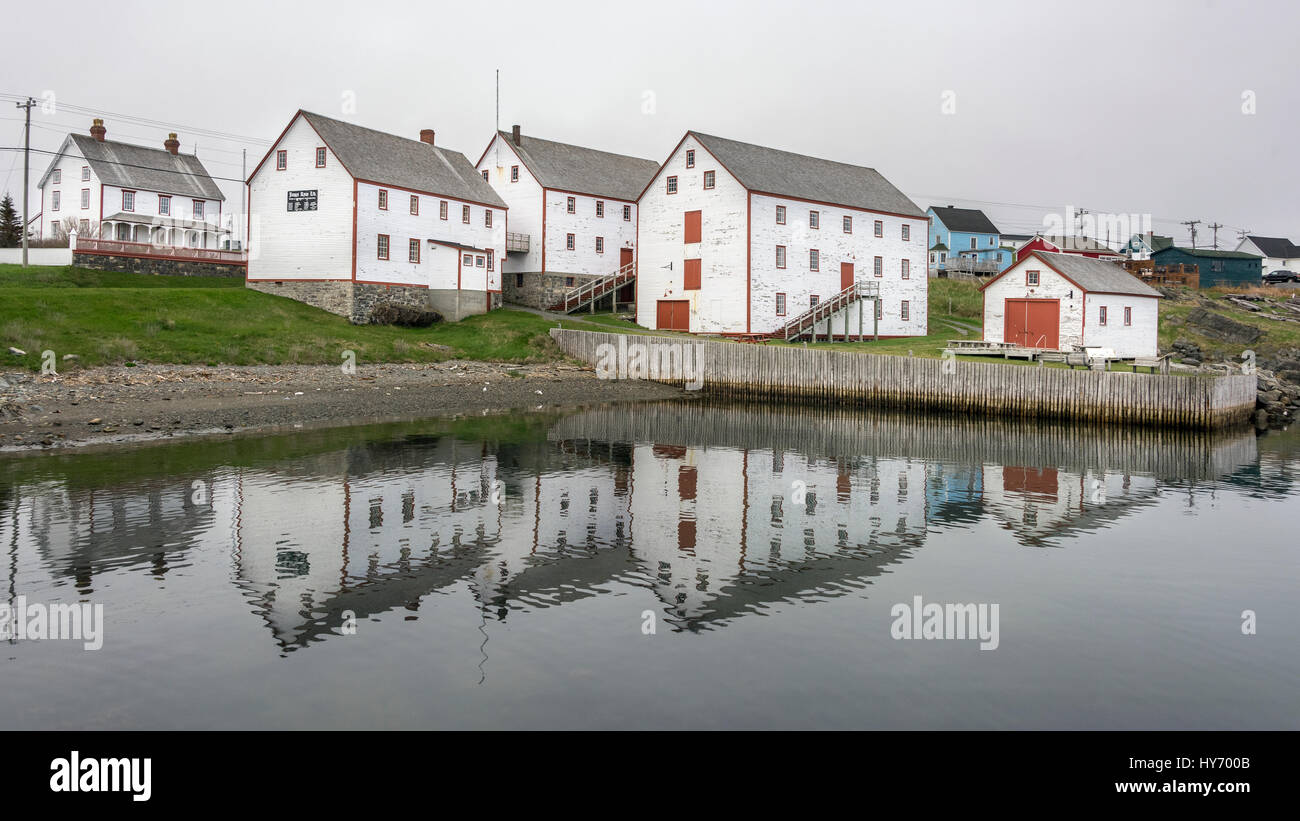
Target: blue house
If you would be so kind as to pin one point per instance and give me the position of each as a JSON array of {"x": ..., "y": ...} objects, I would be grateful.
[{"x": 964, "y": 240}]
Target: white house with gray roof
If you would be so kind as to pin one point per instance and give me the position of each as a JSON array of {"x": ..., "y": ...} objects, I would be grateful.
[
  {"x": 573, "y": 212},
  {"x": 106, "y": 189},
  {"x": 737, "y": 238},
  {"x": 1069, "y": 302},
  {"x": 345, "y": 218}
]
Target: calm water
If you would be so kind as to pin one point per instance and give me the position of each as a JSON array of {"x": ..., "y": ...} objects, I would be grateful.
[{"x": 501, "y": 572}]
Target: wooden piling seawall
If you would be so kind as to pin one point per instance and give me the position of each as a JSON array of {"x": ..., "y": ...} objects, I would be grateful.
[{"x": 999, "y": 389}]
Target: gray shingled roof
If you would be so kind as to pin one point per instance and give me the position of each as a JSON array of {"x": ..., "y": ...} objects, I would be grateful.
[
  {"x": 1097, "y": 275},
  {"x": 583, "y": 170},
  {"x": 391, "y": 160},
  {"x": 1079, "y": 243},
  {"x": 784, "y": 173},
  {"x": 146, "y": 169},
  {"x": 1279, "y": 247},
  {"x": 968, "y": 220}
]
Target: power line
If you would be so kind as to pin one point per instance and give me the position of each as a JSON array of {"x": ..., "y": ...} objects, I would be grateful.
[
  {"x": 207, "y": 132},
  {"x": 126, "y": 164}
]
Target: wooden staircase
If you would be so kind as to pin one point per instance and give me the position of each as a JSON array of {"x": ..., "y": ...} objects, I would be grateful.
[
  {"x": 805, "y": 323},
  {"x": 586, "y": 295}
]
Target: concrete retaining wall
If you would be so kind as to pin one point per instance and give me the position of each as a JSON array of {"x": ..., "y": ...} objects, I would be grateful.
[{"x": 158, "y": 265}]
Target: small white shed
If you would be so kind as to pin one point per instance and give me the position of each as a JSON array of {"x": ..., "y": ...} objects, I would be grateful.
[{"x": 1068, "y": 302}]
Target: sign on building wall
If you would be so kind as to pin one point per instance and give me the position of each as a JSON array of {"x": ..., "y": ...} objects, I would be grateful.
[{"x": 302, "y": 200}]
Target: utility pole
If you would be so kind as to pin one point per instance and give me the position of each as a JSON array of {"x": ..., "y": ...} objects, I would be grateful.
[
  {"x": 27, "y": 168},
  {"x": 1215, "y": 226},
  {"x": 243, "y": 201},
  {"x": 1191, "y": 225},
  {"x": 1242, "y": 234}
]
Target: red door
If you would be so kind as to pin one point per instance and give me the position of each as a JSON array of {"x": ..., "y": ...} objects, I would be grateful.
[
  {"x": 1032, "y": 323},
  {"x": 674, "y": 315},
  {"x": 846, "y": 275},
  {"x": 624, "y": 258}
]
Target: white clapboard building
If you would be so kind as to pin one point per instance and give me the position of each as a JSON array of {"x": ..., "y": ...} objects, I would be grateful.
[
  {"x": 573, "y": 212},
  {"x": 348, "y": 218},
  {"x": 737, "y": 238},
  {"x": 1069, "y": 302},
  {"x": 105, "y": 189}
]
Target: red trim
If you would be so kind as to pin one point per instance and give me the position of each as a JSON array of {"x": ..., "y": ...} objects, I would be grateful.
[
  {"x": 290, "y": 279},
  {"x": 354, "y": 228},
  {"x": 1128, "y": 316},
  {"x": 749, "y": 258},
  {"x": 570, "y": 242},
  {"x": 849, "y": 229},
  {"x": 321, "y": 154},
  {"x": 603, "y": 197},
  {"x": 415, "y": 205},
  {"x": 811, "y": 265},
  {"x": 146, "y": 255},
  {"x": 381, "y": 199},
  {"x": 434, "y": 194},
  {"x": 543, "y": 229},
  {"x": 707, "y": 186},
  {"x": 877, "y": 270},
  {"x": 459, "y": 260},
  {"x": 690, "y": 158},
  {"x": 388, "y": 247},
  {"x": 600, "y": 245},
  {"x": 571, "y": 205},
  {"x": 1102, "y": 315},
  {"x": 379, "y": 282},
  {"x": 814, "y": 216},
  {"x": 413, "y": 243},
  {"x": 1029, "y": 284},
  {"x": 780, "y": 263},
  {"x": 670, "y": 185},
  {"x": 281, "y": 154},
  {"x": 442, "y": 209},
  {"x": 248, "y": 223},
  {"x": 780, "y": 215},
  {"x": 124, "y": 192},
  {"x": 464, "y": 214},
  {"x": 780, "y": 298},
  {"x": 600, "y": 209}
]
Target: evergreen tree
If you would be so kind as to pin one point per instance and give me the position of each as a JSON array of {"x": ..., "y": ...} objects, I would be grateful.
[{"x": 11, "y": 224}]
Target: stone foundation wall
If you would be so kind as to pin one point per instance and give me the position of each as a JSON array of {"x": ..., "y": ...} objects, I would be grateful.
[
  {"x": 356, "y": 300},
  {"x": 541, "y": 290},
  {"x": 155, "y": 265},
  {"x": 335, "y": 297}
]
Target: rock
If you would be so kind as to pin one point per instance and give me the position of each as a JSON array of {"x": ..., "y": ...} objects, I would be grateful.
[
  {"x": 95, "y": 421},
  {"x": 1261, "y": 419},
  {"x": 1217, "y": 326},
  {"x": 17, "y": 352},
  {"x": 70, "y": 357}
]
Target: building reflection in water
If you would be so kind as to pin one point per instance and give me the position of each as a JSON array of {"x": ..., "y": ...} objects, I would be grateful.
[{"x": 721, "y": 511}]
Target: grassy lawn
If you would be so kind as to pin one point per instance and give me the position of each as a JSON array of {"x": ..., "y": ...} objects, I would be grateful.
[{"x": 110, "y": 318}]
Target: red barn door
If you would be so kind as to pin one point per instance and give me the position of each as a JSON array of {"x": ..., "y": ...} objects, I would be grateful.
[
  {"x": 674, "y": 315},
  {"x": 1032, "y": 323}
]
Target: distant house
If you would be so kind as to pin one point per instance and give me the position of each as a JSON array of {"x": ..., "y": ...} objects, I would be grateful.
[
  {"x": 965, "y": 240},
  {"x": 1141, "y": 246},
  {"x": 1232, "y": 268},
  {"x": 1080, "y": 246},
  {"x": 106, "y": 189},
  {"x": 1068, "y": 302},
  {"x": 573, "y": 212},
  {"x": 1277, "y": 253},
  {"x": 738, "y": 238},
  {"x": 349, "y": 218}
]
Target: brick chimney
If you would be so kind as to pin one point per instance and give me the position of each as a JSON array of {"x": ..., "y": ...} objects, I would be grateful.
[
  {"x": 172, "y": 144},
  {"x": 97, "y": 129},
  {"x": 426, "y": 135},
  {"x": 514, "y": 135}
]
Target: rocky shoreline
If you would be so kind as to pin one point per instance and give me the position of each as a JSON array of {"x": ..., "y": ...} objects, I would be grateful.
[{"x": 127, "y": 404}]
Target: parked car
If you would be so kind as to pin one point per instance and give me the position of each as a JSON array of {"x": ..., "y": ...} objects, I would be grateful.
[{"x": 1274, "y": 277}]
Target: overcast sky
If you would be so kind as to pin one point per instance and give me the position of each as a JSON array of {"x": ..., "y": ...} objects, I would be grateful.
[{"x": 1121, "y": 107}]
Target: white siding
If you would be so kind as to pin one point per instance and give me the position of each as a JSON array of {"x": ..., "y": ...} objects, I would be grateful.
[
  {"x": 436, "y": 268},
  {"x": 585, "y": 227},
  {"x": 524, "y": 199},
  {"x": 719, "y": 305},
  {"x": 1137, "y": 339},
  {"x": 291, "y": 245},
  {"x": 69, "y": 164},
  {"x": 834, "y": 246}
]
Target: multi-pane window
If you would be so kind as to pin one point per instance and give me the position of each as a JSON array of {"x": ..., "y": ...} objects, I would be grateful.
[
  {"x": 814, "y": 260},
  {"x": 972, "y": 243},
  {"x": 83, "y": 227},
  {"x": 485, "y": 175},
  {"x": 1128, "y": 315},
  {"x": 320, "y": 157},
  {"x": 813, "y": 300},
  {"x": 710, "y": 178},
  {"x": 905, "y": 312},
  {"x": 85, "y": 173},
  {"x": 442, "y": 209},
  {"x": 281, "y": 160},
  {"x": 381, "y": 247},
  {"x": 690, "y": 158},
  {"x": 878, "y": 266},
  {"x": 128, "y": 200},
  {"x": 1031, "y": 277},
  {"x": 780, "y": 256},
  {"x": 487, "y": 218},
  {"x": 570, "y": 242},
  {"x": 85, "y": 198},
  {"x": 413, "y": 251},
  {"x": 600, "y": 208},
  {"x": 478, "y": 261},
  {"x": 514, "y": 173},
  {"x": 464, "y": 214},
  {"x": 383, "y": 200},
  {"x": 814, "y": 220},
  {"x": 907, "y": 269},
  {"x": 848, "y": 225},
  {"x": 572, "y": 205},
  {"x": 780, "y": 215},
  {"x": 1101, "y": 318},
  {"x": 165, "y": 206},
  {"x": 600, "y": 245},
  {"x": 55, "y": 205},
  {"x": 415, "y": 205},
  {"x": 672, "y": 185},
  {"x": 198, "y": 209},
  {"x": 491, "y": 260},
  {"x": 907, "y": 232},
  {"x": 880, "y": 309},
  {"x": 879, "y": 228},
  {"x": 627, "y": 213},
  {"x": 780, "y": 304}
]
